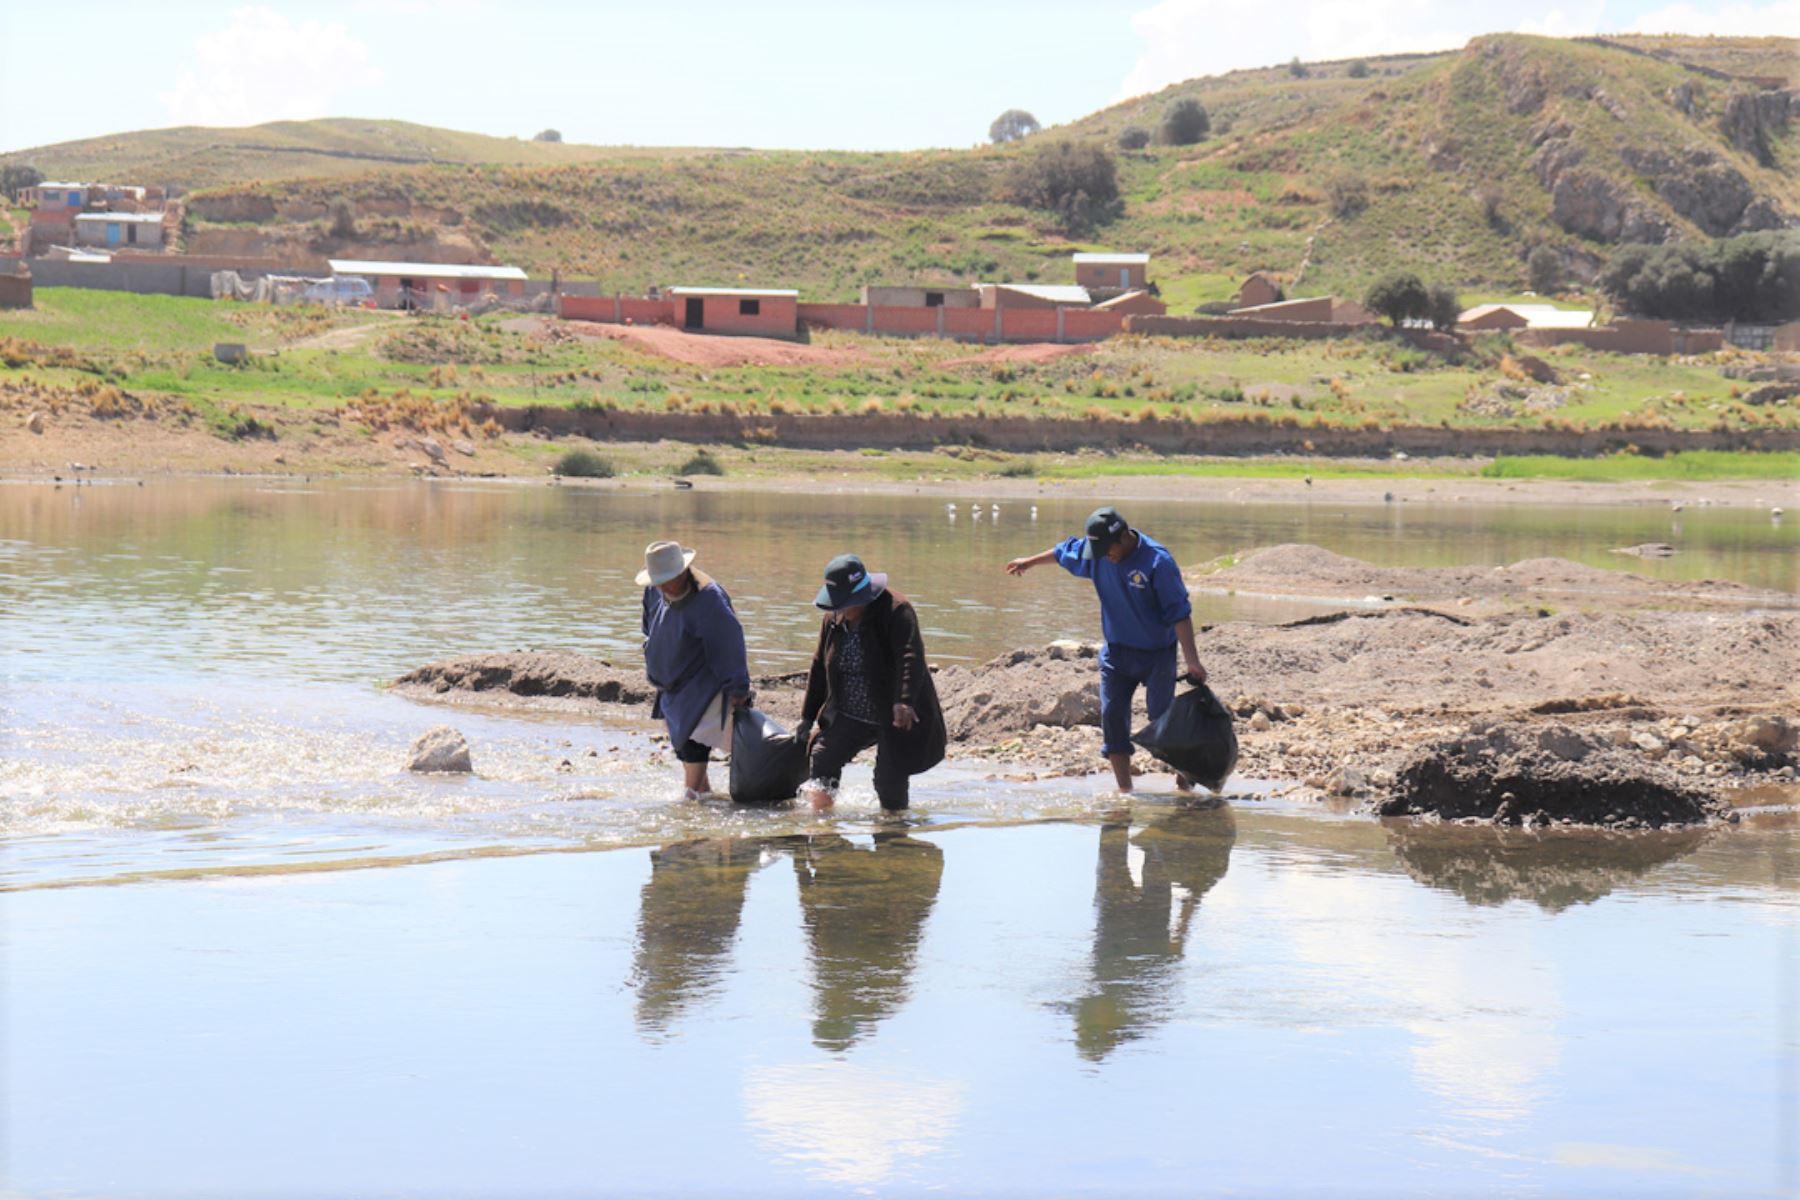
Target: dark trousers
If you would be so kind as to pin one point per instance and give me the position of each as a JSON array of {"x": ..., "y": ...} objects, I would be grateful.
[
  {"x": 1123, "y": 669},
  {"x": 691, "y": 751},
  {"x": 845, "y": 738}
]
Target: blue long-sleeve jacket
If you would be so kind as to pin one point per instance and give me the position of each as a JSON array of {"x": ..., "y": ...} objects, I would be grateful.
[
  {"x": 693, "y": 650},
  {"x": 1141, "y": 599}
]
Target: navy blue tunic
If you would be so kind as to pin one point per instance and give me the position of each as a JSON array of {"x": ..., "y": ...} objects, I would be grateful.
[{"x": 693, "y": 650}]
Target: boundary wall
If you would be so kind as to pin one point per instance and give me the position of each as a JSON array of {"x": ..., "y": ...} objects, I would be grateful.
[{"x": 961, "y": 324}]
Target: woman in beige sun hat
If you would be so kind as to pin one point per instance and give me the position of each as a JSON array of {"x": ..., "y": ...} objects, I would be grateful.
[{"x": 694, "y": 656}]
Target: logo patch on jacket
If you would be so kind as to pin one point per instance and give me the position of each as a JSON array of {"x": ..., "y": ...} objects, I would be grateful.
[{"x": 1137, "y": 579}]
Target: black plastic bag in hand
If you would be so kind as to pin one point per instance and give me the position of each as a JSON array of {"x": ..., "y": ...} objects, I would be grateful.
[
  {"x": 767, "y": 762},
  {"x": 1195, "y": 736}
]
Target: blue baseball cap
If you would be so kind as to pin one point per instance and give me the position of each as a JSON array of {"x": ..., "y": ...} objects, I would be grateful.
[{"x": 848, "y": 583}]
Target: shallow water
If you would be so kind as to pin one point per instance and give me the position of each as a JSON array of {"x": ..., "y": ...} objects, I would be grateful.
[{"x": 246, "y": 953}]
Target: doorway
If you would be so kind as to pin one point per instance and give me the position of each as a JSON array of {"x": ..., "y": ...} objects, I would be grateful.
[{"x": 695, "y": 317}]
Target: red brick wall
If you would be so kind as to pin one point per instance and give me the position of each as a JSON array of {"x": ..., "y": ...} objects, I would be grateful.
[
  {"x": 1233, "y": 327},
  {"x": 1027, "y": 324},
  {"x": 1787, "y": 338},
  {"x": 1256, "y": 290},
  {"x": 1081, "y": 325},
  {"x": 639, "y": 311},
  {"x": 1316, "y": 309},
  {"x": 969, "y": 323},
  {"x": 15, "y": 290},
  {"x": 835, "y": 316},
  {"x": 907, "y": 321},
  {"x": 1621, "y": 337}
]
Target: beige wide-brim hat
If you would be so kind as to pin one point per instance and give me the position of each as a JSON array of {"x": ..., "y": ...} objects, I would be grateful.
[{"x": 663, "y": 561}]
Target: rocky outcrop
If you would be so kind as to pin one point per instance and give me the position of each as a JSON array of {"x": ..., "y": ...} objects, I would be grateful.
[
  {"x": 532, "y": 673},
  {"x": 440, "y": 750},
  {"x": 1702, "y": 187},
  {"x": 1751, "y": 118},
  {"x": 1590, "y": 205}
]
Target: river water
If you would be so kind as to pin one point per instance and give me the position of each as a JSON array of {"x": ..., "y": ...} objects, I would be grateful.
[{"x": 245, "y": 953}]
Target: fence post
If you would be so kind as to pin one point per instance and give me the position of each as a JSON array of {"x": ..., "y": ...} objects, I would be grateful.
[
  {"x": 999, "y": 325},
  {"x": 940, "y": 320},
  {"x": 869, "y": 319},
  {"x": 1059, "y": 322}
]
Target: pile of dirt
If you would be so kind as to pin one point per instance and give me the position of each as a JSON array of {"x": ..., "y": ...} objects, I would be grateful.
[
  {"x": 1548, "y": 774},
  {"x": 1056, "y": 686},
  {"x": 1311, "y": 570},
  {"x": 549, "y": 674},
  {"x": 713, "y": 350}
]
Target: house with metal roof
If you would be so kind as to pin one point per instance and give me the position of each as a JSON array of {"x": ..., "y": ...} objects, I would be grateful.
[
  {"x": 1491, "y": 317},
  {"x": 769, "y": 312},
  {"x": 1113, "y": 272},
  {"x": 115, "y": 230},
  {"x": 431, "y": 285},
  {"x": 1033, "y": 295}
]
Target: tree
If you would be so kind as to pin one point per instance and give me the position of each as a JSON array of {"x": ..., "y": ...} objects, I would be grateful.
[
  {"x": 1133, "y": 137},
  {"x": 1490, "y": 197},
  {"x": 14, "y": 176},
  {"x": 1544, "y": 270},
  {"x": 1015, "y": 124},
  {"x": 1076, "y": 180},
  {"x": 1184, "y": 123},
  {"x": 1442, "y": 307},
  {"x": 1297, "y": 69},
  {"x": 1359, "y": 69},
  {"x": 1399, "y": 297},
  {"x": 547, "y": 135},
  {"x": 1754, "y": 277},
  {"x": 343, "y": 218}
]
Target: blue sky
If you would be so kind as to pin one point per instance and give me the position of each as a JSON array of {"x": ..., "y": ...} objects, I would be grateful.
[{"x": 783, "y": 73}]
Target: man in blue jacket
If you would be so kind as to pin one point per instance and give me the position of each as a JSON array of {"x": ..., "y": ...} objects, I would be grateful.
[
  {"x": 694, "y": 656},
  {"x": 1144, "y": 615}
]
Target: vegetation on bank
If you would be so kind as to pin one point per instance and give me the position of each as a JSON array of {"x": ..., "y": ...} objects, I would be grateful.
[{"x": 114, "y": 353}]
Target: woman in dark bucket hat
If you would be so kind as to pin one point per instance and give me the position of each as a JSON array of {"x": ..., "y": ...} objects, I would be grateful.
[
  {"x": 694, "y": 656},
  {"x": 869, "y": 686}
]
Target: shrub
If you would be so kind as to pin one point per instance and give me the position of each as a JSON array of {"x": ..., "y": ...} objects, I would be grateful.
[
  {"x": 1077, "y": 181},
  {"x": 1184, "y": 123},
  {"x": 1133, "y": 137},
  {"x": 1544, "y": 269},
  {"x": 547, "y": 135},
  {"x": 1297, "y": 69},
  {"x": 1346, "y": 194},
  {"x": 702, "y": 463},
  {"x": 343, "y": 219},
  {"x": 1015, "y": 124},
  {"x": 1398, "y": 297},
  {"x": 1490, "y": 197},
  {"x": 1359, "y": 69},
  {"x": 1018, "y": 468},
  {"x": 583, "y": 464}
]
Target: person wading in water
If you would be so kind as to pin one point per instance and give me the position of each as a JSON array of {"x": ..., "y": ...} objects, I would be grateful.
[
  {"x": 1144, "y": 615},
  {"x": 869, "y": 686},
  {"x": 694, "y": 656}
]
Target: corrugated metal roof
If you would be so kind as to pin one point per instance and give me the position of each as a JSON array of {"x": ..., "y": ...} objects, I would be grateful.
[
  {"x": 1119, "y": 259},
  {"x": 1056, "y": 293},
  {"x": 357, "y": 266},
  {"x": 48, "y": 184},
  {"x": 1536, "y": 316},
  {"x": 129, "y": 218},
  {"x": 715, "y": 291}
]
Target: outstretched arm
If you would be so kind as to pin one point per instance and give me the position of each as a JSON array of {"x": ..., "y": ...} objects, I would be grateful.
[
  {"x": 1019, "y": 566},
  {"x": 1190, "y": 654}
]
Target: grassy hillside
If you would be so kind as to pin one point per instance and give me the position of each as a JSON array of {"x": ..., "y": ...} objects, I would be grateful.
[
  {"x": 1455, "y": 165},
  {"x": 196, "y": 157}
]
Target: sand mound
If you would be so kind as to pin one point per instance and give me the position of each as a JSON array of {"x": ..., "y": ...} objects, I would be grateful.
[
  {"x": 714, "y": 350},
  {"x": 1310, "y": 570}
]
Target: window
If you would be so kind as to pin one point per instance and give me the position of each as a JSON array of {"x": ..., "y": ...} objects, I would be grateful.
[
  {"x": 749, "y": 308},
  {"x": 131, "y": 233},
  {"x": 934, "y": 299}
]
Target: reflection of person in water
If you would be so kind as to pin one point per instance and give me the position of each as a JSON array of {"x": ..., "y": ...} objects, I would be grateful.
[
  {"x": 864, "y": 908},
  {"x": 1143, "y": 909},
  {"x": 1553, "y": 870},
  {"x": 687, "y": 922}
]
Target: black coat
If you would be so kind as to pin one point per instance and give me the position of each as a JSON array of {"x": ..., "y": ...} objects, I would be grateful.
[{"x": 897, "y": 675}]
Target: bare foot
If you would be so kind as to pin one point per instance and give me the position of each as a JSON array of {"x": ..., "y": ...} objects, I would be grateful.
[
  {"x": 1183, "y": 783},
  {"x": 820, "y": 800}
]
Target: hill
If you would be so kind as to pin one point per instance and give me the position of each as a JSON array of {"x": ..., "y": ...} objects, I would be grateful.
[{"x": 1456, "y": 165}]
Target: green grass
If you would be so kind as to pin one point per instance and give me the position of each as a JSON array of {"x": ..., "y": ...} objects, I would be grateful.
[{"x": 1692, "y": 465}]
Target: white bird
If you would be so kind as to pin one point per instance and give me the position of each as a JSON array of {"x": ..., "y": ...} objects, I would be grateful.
[
  {"x": 1674, "y": 506},
  {"x": 950, "y": 507},
  {"x": 994, "y": 507},
  {"x": 1775, "y": 512},
  {"x": 1034, "y": 512}
]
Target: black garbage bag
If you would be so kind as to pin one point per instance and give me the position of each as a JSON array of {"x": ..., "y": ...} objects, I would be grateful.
[
  {"x": 1194, "y": 736},
  {"x": 767, "y": 762}
]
